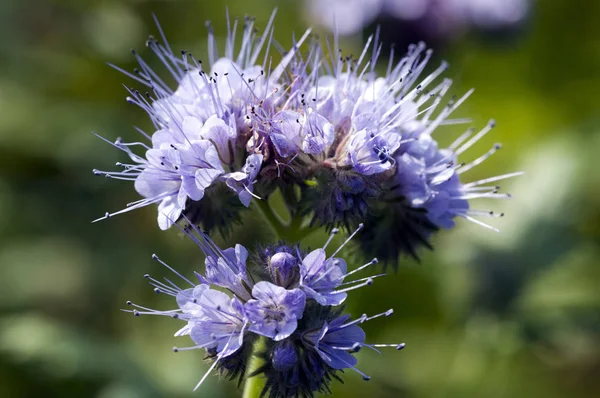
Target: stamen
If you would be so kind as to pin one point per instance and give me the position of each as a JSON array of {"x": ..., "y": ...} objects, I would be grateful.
[
  {"x": 333, "y": 233},
  {"x": 372, "y": 262},
  {"x": 360, "y": 227},
  {"x": 155, "y": 257}
]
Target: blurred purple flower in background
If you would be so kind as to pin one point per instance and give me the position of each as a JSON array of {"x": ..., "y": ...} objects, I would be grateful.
[{"x": 430, "y": 20}]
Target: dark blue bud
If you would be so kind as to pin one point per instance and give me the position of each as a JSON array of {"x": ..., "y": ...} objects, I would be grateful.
[{"x": 285, "y": 356}]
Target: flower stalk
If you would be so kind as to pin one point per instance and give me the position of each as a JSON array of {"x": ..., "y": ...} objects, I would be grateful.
[{"x": 254, "y": 384}]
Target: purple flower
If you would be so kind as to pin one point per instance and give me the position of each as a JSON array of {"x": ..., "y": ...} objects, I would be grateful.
[
  {"x": 227, "y": 268},
  {"x": 274, "y": 311},
  {"x": 215, "y": 321},
  {"x": 286, "y": 132},
  {"x": 320, "y": 276},
  {"x": 317, "y": 134},
  {"x": 242, "y": 182},
  {"x": 338, "y": 339},
  {"x": 428, "y": 177},
  {"x": 335, "y": 342},
  {"x": 370, "y": 153},
  {"x": 202, "y": 124},
  {"x": 169, "y": 175},
  {"x": 221, "y": 323}
]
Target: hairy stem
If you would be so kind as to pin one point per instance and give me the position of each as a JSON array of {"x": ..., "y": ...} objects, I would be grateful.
[{"x": 254, "y": 385}]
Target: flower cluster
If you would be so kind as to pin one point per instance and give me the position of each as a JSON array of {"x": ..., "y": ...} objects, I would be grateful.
[
  {"x": 281, "y": 294},
  {"x": 358, "y": 146},
  {"x": 343, "y": 145},
  {"x": 200, "y": 128}
]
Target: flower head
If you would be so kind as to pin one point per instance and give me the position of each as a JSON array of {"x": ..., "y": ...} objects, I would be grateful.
[
  {"x": 201, "y": 127},
  {"x": 283, "y": 295},
  {"x": 362, "y": 147}
]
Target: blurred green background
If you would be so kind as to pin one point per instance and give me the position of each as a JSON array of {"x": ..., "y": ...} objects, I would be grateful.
[{"x": 509, "y": 314}]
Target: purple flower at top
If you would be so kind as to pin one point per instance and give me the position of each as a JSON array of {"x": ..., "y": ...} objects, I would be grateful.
[
  {"x": 242, "y": 182},
  {"x": 429, "y": 18},
  {"x": 201, "y": 124},
  {"x": 274, "y": 311},
  {"x": 372, "y": 154},
  {"x": 428, "y": 177},
  {"x": 285, "y": 134},
  {"x": 317, "y": 133},
  {"x": 169, "y": 175}
]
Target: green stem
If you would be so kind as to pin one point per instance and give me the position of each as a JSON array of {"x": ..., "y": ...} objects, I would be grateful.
[
  {"x": 254, "y": 385},
  {"x": 274, "y": 220}
]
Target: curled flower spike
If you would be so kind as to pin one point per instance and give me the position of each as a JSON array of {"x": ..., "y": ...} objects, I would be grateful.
[
  {"x": 279, "y": 294},
  {"x": 362, "y": 147}
]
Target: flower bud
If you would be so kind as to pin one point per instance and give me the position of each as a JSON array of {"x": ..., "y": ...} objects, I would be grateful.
[{"x": 284, "y": 269}]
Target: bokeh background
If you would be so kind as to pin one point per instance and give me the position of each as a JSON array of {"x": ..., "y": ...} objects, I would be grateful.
[{"x": 509, "y": 314}]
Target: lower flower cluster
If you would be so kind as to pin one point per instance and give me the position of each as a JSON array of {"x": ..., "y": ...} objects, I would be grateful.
[{"x": 289, "y": 299}]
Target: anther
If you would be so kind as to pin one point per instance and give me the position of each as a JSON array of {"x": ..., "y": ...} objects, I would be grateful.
[
  {"x": 175, "y": 349},
  {"x": 128, "y": 302},
  {"x": 389, "y": 312},
  {"x": 400, "y": 346}
]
